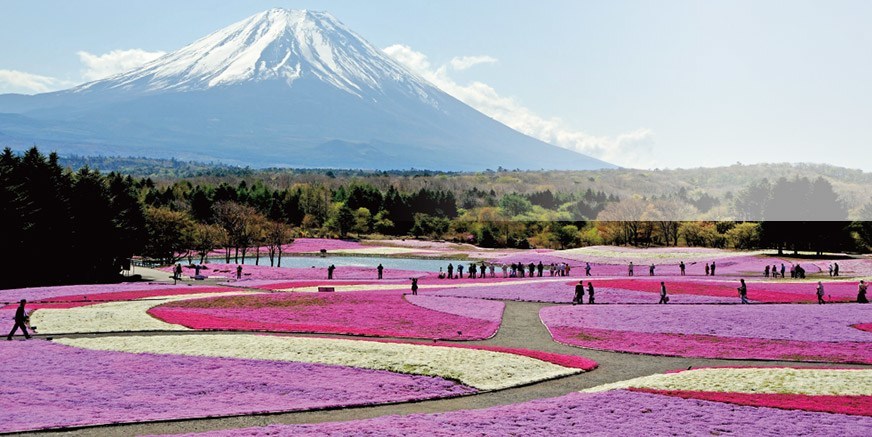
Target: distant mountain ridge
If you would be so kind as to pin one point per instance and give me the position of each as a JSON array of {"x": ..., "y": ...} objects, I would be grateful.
[{"x": 281, "y": 88}]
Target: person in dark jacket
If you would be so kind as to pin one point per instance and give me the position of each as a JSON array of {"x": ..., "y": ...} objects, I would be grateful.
[
  {"x": 414, "y": 286},
  {"x": 590, "y": 292},
  {"x": 381, "y": 270},
  {"x": 861, "y": 293},
  {"x": 20, "y": 321},
  {"x": 330, "y": 271},
  {"x": 663, "y": 298},
  {"x": 450, "y": 271},
  {"x": 579, "y": 293},
  {"x": 540, "y": 268}
]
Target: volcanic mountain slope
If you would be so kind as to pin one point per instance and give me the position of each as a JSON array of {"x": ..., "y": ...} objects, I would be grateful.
[{"x": 281, "y": 88}]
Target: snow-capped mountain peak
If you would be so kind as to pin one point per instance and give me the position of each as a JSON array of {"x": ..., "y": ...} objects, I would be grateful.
[{"x": 277, "y": 44}]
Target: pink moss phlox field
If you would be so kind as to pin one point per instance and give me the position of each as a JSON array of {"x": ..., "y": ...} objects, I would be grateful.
[
  {"x": 479, "y": 309},
  {"x": 252, "y": 272},
  {"x": 91, "y": 299},
  {"x": 781, "y": 322},
  {"x": 618, "y": 412},
  {"x": 777, "y": 332},
  {"x": 278, "y": 285},
  {"x": 51, "y": 385},
  {"x": 854, "y": 405},
  {"x": 42, "y": 293},
  {"x": 310, "y": 245},
  {"x": 775, "y": 292},
  {"x": 563, "y": 292},
  {"x": 384, "y": 314}
]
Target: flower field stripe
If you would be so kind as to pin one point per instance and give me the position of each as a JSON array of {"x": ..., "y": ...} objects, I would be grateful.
[
  {"x": 78, "y": 300},
  {"x": 434, "y": 284},
  {"x": 480, "y": 369},
  {"x": 710, "y": 346},
  {"x": 76, "y": 387},
  {"x": 863, "y": 326},
  {"x": 618, "y": 412},
  {"x": 854, "y": 405},
  {"x": 112, "y": 316},
  {"x": 377, "y": 314},
  {"x": 772, "y": 380}
]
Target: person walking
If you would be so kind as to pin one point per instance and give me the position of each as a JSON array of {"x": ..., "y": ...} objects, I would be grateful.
[
  {"x": 835, "y": 269},
  {"x": 380, "y": 269},
  {"x": 774, "y": 271},
  {"x": 681, "y": 267},
  {"x": 743, "y": 291},
  {"x": 579, "y": 293},
  {"x": 820, "y": 293},
  {"x": 630, "y": 269},
  {"x": 20, "y": 321},
  {"x": 414, "y": 286},
  {"x": 707, "y": 269},
  {"x": 861, "y": 293},
  {"x": 450, "y": 271},
  {"x": 651, "y": 270},
  {"x": 782, "y": 270},
  {"x": 177, "y": 272},
  {"x": 590, "y": 293},
  {"x": 830, "y": 269},
  {"x": 663, "y": 298},
  {"x": 586, "y": 269},
  {"x": 766, "y": 271},
  {"x": 713, "y": 268},
  {"x": 330, "y": 271}
]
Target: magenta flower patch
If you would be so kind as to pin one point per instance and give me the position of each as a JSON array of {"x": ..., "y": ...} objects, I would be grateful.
[{"x": 380, "y": 314}]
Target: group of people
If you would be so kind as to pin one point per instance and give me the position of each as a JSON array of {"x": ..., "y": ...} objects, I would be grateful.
[{"x": 513, "y": 270}]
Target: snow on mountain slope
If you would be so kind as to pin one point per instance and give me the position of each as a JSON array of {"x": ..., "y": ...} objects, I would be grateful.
[{"x": 275, "y": 44}]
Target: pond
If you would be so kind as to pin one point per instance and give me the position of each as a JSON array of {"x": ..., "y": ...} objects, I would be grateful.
[{"x": 414, "y": 264}]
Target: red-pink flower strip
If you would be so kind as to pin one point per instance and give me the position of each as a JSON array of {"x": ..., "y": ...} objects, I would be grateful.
[
  {"x": 775, "y": 292},
  {"x": 51, "y": 385},
  {"x": 863, "y": 326},
  {"x": 380, "y": 314},
  {"x": 853, "y": 405}
]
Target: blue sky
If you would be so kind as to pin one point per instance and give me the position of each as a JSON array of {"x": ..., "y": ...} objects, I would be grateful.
[{"x": 640, "y": 83}]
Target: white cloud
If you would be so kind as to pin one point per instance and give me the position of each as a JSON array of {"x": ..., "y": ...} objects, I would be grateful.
[
  {"x": 632, "y": 149},
  {"x": 466, "y": 62},
  {"x": 117, "y": 61},
  {"x": 14, "y": 81}
]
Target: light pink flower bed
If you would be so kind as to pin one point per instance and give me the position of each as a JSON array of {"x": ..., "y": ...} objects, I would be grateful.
[
  {"x": 379, "y": 314},
  {"x": 779, "y": 332},
  {"x": 38, "y": 293},
  {"x": 563, "y": 292},
  {"x": 617, "y": 412},
  {"x": 52, "y": 385},
  {"x": 91, "y": 299}
]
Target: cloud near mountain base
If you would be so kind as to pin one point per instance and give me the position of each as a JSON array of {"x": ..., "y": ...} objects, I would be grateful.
[{"x": 632, "y": 149}]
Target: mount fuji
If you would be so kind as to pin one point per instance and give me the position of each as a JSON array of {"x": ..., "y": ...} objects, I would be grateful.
[{"x": 282, "y": 88}]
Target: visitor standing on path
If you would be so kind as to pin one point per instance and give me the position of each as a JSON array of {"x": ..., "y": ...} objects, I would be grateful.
[
  {"x": 651, "y": 269},
  {"x": 630, "y": 269},
  {"x": 460, "y": 271},
  {"x": 450, "y": 271},
  {"x": 238, "y": 272},
  {"x": 414, "y": 286},
  {"x": 861, "y": 293},
  {"x": 579, "y": 293},
  {"x": 381, "y": 270},
  {"x": 590, "y": 292},
  {"x": 505, "y": 268},
  {"x": 743, "y": 291},
  {"x": 586, "y": 269},
  {"x": 663, "y": 298},
  {"x": 540, "y": 268},
  {"x": 707, "y": 270},
  {"x": 177, "y": 272},
  {"x": 835, "y": 269},
  {"x": 330, "y": 271},
  {"x": 782, "y": 270},
  {"x": 492, "y": 268},
  {"x": 820, "y": 293},
  {"x": 766, "y": 271},
  {"x": 681, "y": 267},
  {"x": 20, "y": 321},
  {"x": 713, "y": 268}
]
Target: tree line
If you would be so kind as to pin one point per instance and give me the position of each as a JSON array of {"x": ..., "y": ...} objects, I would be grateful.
[{"x": 93, "y": 223}]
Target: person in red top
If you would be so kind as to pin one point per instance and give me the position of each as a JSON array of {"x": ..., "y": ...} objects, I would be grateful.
[{"x": 20, "y": 321}]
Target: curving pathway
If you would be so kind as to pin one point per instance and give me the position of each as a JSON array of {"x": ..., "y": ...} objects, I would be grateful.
[{"x": 521, "y": 328}]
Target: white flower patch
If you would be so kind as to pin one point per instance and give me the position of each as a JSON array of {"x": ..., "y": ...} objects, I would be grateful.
[
  {"x": 835, "y": 382},
  {"x": 118, "y": 316},
  {"x": 383, "y": 250},
  {"x": 483, "y": 370}
]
